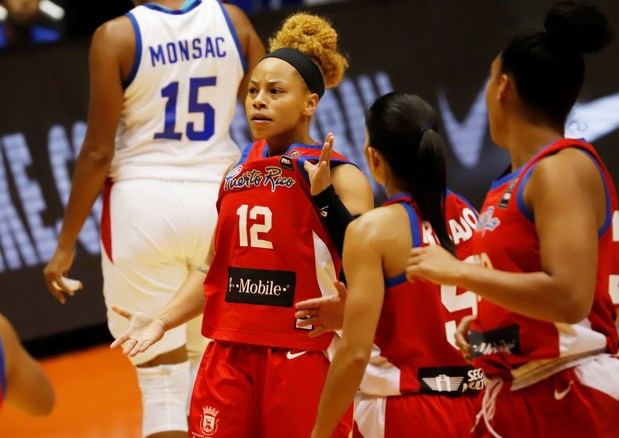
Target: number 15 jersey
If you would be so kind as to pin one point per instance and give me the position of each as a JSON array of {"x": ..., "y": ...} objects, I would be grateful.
[
  {"x": 180, "y": 96},
  {"x": 271, "y": 251}
]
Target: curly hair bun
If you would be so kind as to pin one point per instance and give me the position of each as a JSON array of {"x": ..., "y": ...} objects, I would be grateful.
[
  {"x": 577, "y": 27},
  {"x": 314, "y": 37}
]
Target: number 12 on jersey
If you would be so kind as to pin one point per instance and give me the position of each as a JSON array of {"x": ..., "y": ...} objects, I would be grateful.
[{"x": 262, "y": 225}]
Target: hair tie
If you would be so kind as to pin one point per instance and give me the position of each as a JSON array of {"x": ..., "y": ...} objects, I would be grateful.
[{"x": 425, "y": 128}]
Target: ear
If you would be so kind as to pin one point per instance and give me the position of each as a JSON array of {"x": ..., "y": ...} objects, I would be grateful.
[
  {"x": 311, "y": 103},
  {"x": 505, "y": 86}
]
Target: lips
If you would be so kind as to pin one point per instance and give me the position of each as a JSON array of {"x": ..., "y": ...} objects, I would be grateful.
[{"x": 260, "y": 118}]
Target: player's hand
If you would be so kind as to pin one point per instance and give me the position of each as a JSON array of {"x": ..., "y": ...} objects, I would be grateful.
[
  {"x": 462, "y": 337},
  {"x": 432, "y": 263},
  {"x": 320, "y": 173},
  {"x": 144, "y": 330},
  {"x": 325, "y": 314},
  {"x": 54, "y": 272}
]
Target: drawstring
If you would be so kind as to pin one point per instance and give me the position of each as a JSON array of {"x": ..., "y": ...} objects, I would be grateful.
[{"x": 488, "y": 405}]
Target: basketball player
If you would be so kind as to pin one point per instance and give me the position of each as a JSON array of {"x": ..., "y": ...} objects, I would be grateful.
[
  {"x": 164, "y": 81},
  {"x": 262, "y": 375},
  {"x": 23, "y": 383},
  {"x": 545, "y": 329},
  {"x": 416, "y": 382}
]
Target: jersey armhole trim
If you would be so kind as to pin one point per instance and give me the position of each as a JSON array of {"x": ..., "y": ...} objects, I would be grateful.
[
  {"x": 137, "y": 56},
  {"x": 416, "y": 241},
  {"x": 526, "y": 211},
  {"x": 235, "y": 36}
]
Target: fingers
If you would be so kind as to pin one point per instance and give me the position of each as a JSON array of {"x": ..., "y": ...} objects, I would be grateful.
[
  {"x": 327, "y": 148},
  {"x": 312, "y": 303},
  {"x": 119, "y": 341},
  {"x": 122, "y": 312},
  {"x": 317, "y": 331},
  {"x": 341, "y": 289}
]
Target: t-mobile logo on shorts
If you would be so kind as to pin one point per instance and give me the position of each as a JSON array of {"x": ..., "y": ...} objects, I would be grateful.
[{"x": 261, "y": 286}]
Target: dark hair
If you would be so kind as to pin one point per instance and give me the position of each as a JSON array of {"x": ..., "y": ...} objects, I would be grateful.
[
  {"x": 402, "y": 127},
  {"x": 547, "y": 66}
]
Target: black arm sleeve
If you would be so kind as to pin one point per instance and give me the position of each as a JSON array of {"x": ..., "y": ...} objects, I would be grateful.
[{"x": 334, "y": 215}]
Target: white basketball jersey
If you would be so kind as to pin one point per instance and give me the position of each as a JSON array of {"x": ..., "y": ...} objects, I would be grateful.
[{"x": 180, "y": 97}]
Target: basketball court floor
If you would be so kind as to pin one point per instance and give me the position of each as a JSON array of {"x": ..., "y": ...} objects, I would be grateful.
[{"x": 96, "y": 397}]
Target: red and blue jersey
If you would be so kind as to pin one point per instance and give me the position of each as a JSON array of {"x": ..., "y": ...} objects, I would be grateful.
[
  {"x": 510, "y": 345},
  {"x": 271, "y": 250},
  {"x": 414, "y": 349}
]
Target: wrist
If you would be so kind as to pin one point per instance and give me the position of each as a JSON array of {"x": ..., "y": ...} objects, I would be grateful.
[{"x": 325, "y": 197}]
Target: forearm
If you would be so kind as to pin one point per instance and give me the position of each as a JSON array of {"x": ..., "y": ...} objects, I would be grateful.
[
  {"x": 342, "y": 383},
  {"x": 537, "y": 294},
  {"x": 91, "y": 170},
  {"x": 186, "y": 304}
]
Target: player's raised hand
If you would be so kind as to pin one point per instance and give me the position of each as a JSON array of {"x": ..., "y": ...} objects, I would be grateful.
[
  {"x": 320, "y": 173},
  {"x": 143, "y": 331},
  {"x": 325, "y": 314}
]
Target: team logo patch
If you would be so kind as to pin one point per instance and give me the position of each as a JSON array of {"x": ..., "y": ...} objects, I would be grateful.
[
  {"x": 209, "y": 421},
  {"x": 487, "y": 221},
  {"x": 286, "y": 162},
  {"x": 294, "y": 154},
  {"x": 502, "y": 340},
  {"x": 450, "y": 380},
  {"x": 507, "y": 195},
  {"x": 261, "y": 286}
]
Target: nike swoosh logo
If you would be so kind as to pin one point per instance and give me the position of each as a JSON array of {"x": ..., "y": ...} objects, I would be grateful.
[
  {"x": 291, "y": 355},
  {"x": 559, "y": 395}
]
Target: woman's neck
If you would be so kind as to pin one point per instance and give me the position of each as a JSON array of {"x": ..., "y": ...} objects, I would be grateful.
[
  {"x": 280, "y": 144},
  {"x": 525, "y": 139}
]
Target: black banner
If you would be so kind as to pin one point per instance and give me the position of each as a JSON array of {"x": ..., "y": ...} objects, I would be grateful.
[{"x": 439, "y": 50}]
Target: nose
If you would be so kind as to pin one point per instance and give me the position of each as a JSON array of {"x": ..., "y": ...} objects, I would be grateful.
[{"x": 258, "y": 100}]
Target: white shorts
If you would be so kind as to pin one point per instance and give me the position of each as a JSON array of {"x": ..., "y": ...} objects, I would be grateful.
[{"x": 158, "y": 233}]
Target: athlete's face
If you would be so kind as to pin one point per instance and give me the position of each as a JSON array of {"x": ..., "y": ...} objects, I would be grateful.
[{"x": 278, "y": 104}]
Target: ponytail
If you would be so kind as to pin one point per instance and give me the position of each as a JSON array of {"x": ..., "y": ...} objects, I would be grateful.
[
  {"x": 402, "y": 128},
  {"x": 428, "y": 183}
]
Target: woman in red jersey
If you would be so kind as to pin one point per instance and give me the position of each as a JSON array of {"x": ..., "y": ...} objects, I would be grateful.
[
  {"x": 545, "y": 332},
  {"x": 262, "y": 375},
  {"x": 416, "y": 382}
]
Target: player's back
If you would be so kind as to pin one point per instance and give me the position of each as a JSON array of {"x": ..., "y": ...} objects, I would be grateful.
[
  {"x": 180, "y": 96},
  {"x": 414, "y": 347}
]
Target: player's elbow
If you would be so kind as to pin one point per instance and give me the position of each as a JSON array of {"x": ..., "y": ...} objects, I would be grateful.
[{"x": 575, "y": 304}]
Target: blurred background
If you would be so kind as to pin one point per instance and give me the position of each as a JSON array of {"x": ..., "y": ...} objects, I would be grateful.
[{"x": 439, "y": 49}]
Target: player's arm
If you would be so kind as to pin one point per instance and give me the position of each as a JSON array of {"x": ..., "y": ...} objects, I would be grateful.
[
  {"x": 565, "y": 193},
  {"x": 363, "y": 268},
  {"x": 251, "y": 44},
  {"x": 353, "y": 188},
  {"x": 28, "y": 388},
  {"x": 111, "y": 42}
]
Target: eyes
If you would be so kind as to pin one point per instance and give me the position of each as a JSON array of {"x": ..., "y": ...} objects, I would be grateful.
[{"x": 253, "y": 90}]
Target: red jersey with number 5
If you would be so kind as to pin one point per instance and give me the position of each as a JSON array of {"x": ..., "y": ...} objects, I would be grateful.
[
  {"x": 414, "y": 348},
  {"x": 271, "y": 251},
  {"x": 509, "y": 345}
]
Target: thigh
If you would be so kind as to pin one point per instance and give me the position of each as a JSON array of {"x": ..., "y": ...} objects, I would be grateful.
[
  {"x": 290, "y": 392},
  {"x": 223, "y": 403},
  {"x": 142, "y": 265},
  {"x": 430, "y": 415}
]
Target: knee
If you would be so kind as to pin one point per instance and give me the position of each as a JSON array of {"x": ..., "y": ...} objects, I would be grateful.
[{"x": 165, "y": 389}]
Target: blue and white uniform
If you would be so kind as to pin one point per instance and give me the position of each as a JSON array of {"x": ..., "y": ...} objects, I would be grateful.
[{"x": 172, "y": 149}]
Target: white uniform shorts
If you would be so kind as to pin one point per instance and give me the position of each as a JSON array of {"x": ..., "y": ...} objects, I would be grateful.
[{"x": 158, "y": 233}]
